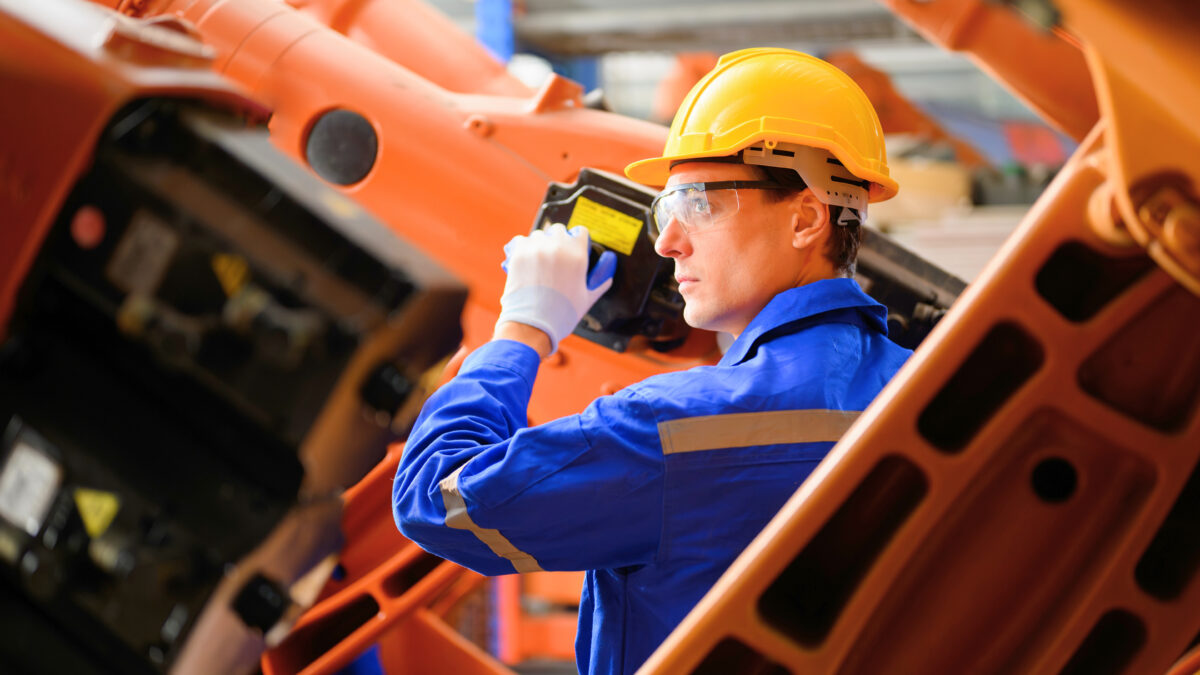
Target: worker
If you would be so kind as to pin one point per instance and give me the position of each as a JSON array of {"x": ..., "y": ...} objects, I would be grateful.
[{"x": 768, "y": 169}]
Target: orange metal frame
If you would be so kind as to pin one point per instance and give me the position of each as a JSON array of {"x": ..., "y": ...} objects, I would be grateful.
[{"x": 1021, "y": 498}]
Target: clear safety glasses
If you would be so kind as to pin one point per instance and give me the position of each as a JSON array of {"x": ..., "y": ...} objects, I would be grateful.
[{"x": 700, "y": 206}]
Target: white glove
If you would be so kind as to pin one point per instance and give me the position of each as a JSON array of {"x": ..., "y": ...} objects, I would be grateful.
[{"x": 548, "y": 284}]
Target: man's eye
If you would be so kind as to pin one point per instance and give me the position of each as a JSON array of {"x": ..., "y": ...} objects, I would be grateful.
[{"x": 698, "y": 205}]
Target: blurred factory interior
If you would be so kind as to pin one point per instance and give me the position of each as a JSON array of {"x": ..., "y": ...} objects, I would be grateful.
[{"x": 971, "y": 156}]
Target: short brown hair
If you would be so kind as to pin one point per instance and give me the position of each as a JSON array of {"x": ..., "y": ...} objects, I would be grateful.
[{"x": 844, "y": 240}]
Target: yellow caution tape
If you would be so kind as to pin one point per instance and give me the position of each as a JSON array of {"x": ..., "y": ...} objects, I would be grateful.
[
  {"x": 606, "y": 226},
  {"x": 231, "y": 271},
  {"x": 97, "y": 508}
]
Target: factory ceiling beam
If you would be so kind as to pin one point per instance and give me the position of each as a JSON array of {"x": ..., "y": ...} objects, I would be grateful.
[{"x": 588, "y": 29}]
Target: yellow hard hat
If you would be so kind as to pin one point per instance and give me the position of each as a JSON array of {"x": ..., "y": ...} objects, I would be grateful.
[{"x": 767, "y": 97}]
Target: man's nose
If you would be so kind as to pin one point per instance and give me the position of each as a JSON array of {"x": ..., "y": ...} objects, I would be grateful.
[{"x": 672, "y": 240}]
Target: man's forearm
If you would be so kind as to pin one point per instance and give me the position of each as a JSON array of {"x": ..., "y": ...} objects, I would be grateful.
[{"x": 525, "y": 334}]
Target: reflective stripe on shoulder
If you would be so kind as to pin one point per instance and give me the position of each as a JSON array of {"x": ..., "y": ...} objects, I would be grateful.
[
  {"x": 458, "y": 518},
  {"x": 740, "y": 430}
]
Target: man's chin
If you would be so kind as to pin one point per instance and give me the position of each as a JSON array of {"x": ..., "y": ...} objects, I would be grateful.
[{"x": 696, "y": 318}]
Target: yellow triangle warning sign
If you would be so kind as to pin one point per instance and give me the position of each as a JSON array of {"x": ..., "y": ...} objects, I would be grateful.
[
  {"x": 231, "y": 271},
  {"x": 97, "y": 508}
]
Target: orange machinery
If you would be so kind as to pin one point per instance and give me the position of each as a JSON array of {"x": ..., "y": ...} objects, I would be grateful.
[
  {"x": 1038, "y": 60},
  {"x": 455, "y": 171},
  {"x": 1020, "y": 488},
  {"x": 203, "y": 345}
]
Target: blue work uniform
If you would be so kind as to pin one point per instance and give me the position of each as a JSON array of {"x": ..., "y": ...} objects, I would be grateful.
[{"x": 654, "y": 489}]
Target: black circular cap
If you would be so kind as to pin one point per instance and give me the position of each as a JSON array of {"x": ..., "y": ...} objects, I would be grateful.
[
  {"x": 342, "y": 146},
  {"x": 1054, "y": 480},
  {"x": 386, "y": 388},
  {"x": 261, "y": 602}
]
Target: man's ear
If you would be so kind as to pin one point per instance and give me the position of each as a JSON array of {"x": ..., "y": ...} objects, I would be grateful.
[{"x": 810, "y": 221}]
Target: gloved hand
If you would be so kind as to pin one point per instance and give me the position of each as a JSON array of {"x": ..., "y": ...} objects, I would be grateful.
[{"x": 548, "y": 284}]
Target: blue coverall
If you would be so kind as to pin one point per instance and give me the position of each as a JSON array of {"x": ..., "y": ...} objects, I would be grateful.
[{"x": 655, "y": 489}]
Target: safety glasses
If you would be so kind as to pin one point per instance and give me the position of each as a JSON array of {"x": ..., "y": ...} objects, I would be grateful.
[{"x": 701, "y": 206}]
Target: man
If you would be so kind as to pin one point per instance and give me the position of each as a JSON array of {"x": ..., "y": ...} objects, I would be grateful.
[{"x": 768, "y": 169}]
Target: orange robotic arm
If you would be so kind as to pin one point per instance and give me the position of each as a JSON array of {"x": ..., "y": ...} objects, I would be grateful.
[
  {"x": 459, "y": 174},
  {"x": 1042, "y": 67}
]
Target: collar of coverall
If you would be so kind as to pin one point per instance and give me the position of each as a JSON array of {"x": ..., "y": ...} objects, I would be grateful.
[{"x": 787, "y": 311}]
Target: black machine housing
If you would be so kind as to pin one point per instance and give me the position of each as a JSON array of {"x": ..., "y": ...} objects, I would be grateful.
[
  {"x": 159, "y": 387},
  {"x": 644, "y": 298}
]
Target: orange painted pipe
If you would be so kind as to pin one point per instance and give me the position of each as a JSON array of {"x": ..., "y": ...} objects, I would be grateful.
[{"x": 420, "y": 38}]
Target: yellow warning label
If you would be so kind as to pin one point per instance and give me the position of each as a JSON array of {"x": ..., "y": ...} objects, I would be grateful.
[
  {"x": 97, "y": 509},
  {"x": 606, "y": 226},
  {"x": 231, "y": 271}
]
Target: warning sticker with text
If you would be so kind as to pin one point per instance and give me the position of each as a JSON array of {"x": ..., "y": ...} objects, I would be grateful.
[{"x": 607, "y": 226}]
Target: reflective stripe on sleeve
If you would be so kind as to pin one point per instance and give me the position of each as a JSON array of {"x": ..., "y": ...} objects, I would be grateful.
[
  {"x": 458, "y": 518},
  {"x": 739, "y": 430}
]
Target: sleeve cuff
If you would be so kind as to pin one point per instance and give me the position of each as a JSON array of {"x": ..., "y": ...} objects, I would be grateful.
[{"x": 511, "y": 355}]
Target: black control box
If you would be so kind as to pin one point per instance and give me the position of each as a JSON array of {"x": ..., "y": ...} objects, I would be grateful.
[{"x": 644, "y": 298}]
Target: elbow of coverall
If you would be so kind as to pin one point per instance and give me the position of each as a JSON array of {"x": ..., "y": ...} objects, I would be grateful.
[
  {"x": 422, "y": 521},
  {"x": 413, "y": 521}
]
